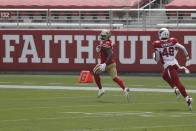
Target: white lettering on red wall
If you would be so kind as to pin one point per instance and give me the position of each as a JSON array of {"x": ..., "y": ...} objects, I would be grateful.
[
  {"x": 67, "y": 50},
  {"x": 47, "y": 39},
  {"x": 191, "y": 39}
]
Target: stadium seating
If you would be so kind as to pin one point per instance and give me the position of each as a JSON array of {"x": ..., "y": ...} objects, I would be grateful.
[
  {"x": 96, "y": 19},
  {"x": 181, "y": 4}
]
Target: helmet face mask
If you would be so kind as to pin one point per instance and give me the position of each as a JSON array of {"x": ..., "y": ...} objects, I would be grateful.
[
  {"x": 163, "y": 34},
  {"x": 105, "y": 35}
]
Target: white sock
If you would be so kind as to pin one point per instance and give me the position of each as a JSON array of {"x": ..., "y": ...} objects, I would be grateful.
[
  {"x": 187, "y": 98},
  {"x": 101, "y": 90}
]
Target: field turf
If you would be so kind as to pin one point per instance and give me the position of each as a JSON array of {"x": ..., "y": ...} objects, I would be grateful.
[{"x": 79, "y": 110}]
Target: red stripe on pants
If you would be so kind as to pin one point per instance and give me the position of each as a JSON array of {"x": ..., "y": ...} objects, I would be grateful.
[{"x": 170, "y": 75}]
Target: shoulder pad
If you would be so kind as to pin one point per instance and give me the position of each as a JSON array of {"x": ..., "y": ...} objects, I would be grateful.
[
  {"x": 156, "y": 44},
  {"x": 173, "y": 40},
  {"x": 106, "y": 46}
]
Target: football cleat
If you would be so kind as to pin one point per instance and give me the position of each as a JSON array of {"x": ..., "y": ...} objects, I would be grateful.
[
  {"x": 189, "y": 102},
  {"x": 177, "y": 92},
  {"x": 100, "y": 93},
  {"x": 127, "y": 95}
]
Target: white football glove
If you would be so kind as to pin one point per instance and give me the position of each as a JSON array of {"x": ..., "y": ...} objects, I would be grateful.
[
  {"x": 102, "y": 67},
  {"x": 185, "y": 69},
  {"x": 156, "y": 56},
  {"x": 188, "y": 62}
]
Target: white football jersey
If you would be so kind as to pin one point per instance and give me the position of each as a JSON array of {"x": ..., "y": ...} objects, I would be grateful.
[{"x": 167, "y": 51}]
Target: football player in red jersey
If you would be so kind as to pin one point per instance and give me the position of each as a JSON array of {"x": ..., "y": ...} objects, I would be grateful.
[
  {"x": 165, "y": 50},
  {"x": 105, "y": 50}
]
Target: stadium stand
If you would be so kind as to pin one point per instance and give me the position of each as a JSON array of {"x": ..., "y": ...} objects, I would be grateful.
[
  {"x": 113, "y": 14},
  {"x": 182, "y": 4},
  {"x": 70, "y": 4},
  {"x": 67, "y": 18},
  {"x": 186, "y": 18},
  {"x": 77, "y": 4}
]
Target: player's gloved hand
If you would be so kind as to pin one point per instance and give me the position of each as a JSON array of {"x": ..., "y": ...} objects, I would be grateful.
[
  {"x": 98, "y": 48},
  {"x": 187, "y": 71},
  {"x": 102, "y": 67},
  {"x": 188, "y": 62}
]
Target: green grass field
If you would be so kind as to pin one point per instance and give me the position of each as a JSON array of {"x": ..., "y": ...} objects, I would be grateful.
[{"x": 78, "y": 110}]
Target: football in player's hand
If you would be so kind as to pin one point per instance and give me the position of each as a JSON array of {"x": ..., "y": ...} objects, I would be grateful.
[{"x": 97, "y": 69}]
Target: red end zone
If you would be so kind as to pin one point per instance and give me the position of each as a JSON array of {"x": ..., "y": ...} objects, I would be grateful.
[{"x": 74, "y": 50}]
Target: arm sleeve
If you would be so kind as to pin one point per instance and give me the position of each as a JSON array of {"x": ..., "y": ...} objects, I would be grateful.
[
  {"x": 182, "y": 48},
  {"x": 156, "y": 55},
  {"x": 109, "y": 54}
]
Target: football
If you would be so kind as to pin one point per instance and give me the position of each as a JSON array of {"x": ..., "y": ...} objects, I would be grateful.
[{"x": 97, "y": 70}]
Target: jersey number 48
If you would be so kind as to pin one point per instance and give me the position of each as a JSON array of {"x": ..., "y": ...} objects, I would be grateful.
[{"x": 168, "y": 51}]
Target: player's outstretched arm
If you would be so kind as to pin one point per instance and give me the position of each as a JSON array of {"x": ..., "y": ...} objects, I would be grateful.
[
  {"x": 156, "y": 55},
  {"x": 181, "y": 47}
]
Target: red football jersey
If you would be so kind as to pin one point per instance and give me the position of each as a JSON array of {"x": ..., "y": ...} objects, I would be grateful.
[{"x": 103, "y": 54}]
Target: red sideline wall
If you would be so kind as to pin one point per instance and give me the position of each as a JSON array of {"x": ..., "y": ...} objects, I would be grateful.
[{"x": 74, "y": 50}]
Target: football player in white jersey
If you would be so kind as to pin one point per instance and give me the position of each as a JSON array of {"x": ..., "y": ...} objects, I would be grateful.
[{"x": 165, "y": 50}]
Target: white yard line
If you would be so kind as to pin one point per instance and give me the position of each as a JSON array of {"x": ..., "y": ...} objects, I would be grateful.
[
  {"x": 132, "y": 127},
  {"x": 79, "y": 106},
  {"x": 88, "y": 88},
  {"x": 106, "y": 115},
  {"x": 5, "y": 82},
  {"x": 51, "y": 118},
  {"x": 50, "y": 107}
]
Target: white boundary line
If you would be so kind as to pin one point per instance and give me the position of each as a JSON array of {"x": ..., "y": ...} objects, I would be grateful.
[{"x": 88, "y": 88}]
